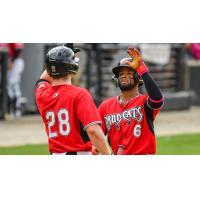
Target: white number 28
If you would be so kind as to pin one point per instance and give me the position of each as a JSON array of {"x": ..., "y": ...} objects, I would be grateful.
[{"x": 63, "y": 121}]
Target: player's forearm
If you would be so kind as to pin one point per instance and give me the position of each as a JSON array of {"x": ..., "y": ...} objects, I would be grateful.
[
  {"x": 99, "y": 141},
  {"x": 46, "y": 77},
  {"x": 101, "y": 145},
  {"x": 155, "y": 96},
  {"x": 151, "y": 87}
]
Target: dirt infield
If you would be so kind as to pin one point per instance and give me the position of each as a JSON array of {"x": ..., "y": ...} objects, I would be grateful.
[
  {"x": 30, "y": 130},
  {"x": 178, "y": 122},
  {"x": 27, "y": 130}
]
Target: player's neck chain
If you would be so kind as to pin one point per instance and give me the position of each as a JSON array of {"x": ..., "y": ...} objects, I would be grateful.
[{"x": 124, "y": 102}]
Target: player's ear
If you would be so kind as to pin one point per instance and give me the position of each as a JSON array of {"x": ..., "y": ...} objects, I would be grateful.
[{"x": 115, "y": 81}]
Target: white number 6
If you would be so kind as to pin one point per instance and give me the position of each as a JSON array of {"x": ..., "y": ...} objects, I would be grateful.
[{"x": 137, "y": 130}]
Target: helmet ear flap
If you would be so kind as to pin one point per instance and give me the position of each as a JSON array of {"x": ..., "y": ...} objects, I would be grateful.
[
  {"x": 115, "y": 81},
  {"x": 138, "y": 79}
]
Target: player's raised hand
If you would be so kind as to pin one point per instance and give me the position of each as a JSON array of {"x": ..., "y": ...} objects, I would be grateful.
[
  {"x": 137, "y": 63},
  {"x": 136, "y": 56}
]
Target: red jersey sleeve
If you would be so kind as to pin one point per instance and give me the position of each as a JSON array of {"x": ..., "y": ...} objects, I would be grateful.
[
  {"x": 41, "y": 91},
  {"x": 101, "y": 113},
  {"x": 86, "y": 110},
  {"x": 41, "y": 86}
]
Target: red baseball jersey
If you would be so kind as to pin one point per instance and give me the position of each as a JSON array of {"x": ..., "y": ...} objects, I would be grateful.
[
  {"x": 130, "y": 127},
  {"x": 66, "y": 111}
]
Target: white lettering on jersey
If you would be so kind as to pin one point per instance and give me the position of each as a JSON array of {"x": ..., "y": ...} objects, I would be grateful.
[
  {"x": 113, "y": 119},
  {"x": 133, "y": 113}
]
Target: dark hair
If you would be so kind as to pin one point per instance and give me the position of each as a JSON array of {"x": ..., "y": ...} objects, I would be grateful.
[{"x": 60, "y": 75}]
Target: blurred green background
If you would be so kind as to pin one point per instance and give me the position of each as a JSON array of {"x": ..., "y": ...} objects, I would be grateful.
[{"x": 187, "y": 144}]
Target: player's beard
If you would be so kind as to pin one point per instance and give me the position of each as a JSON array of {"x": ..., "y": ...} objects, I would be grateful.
[{"x": 128, "y": 86}]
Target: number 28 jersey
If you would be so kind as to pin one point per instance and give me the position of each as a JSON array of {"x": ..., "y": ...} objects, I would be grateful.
[
  {"x": 129, "y": 127},
  {"x": 66, "y": 111}
]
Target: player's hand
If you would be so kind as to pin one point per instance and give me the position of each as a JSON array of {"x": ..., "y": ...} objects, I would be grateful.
[
  {"x": 136, "y": 56},
  {"x": 137, "y": 63},
  {"x": 95, "y": 151}
]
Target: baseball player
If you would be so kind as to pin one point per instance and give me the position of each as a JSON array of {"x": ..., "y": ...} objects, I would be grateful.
[
  {"x": 128, "y": 119},
  {"x": 16, "y": 68},
  {"x": 70, "y": 116}
]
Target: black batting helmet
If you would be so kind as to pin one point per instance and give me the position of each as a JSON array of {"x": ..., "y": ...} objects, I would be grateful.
[
  {"x": 124, "y": 63},
  {"x": 61, "y": 60}
]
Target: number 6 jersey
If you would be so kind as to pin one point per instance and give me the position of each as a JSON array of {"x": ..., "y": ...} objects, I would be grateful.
[
  {"x": 129, "y": 127},
  {"x": 66, "y": 111}
]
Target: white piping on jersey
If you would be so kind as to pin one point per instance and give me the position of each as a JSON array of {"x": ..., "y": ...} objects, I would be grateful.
[
  {"x": 90, "y": 124},
  {"x": 39, "y": 85},
  {"x": 41, "y": 82}
]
